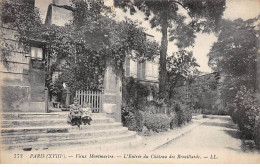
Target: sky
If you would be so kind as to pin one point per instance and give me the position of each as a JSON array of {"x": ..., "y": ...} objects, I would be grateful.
[{"x": 244, "y": 9}]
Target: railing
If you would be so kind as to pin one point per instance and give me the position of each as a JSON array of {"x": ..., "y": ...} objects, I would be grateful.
[{"x": 93, "y": 99}]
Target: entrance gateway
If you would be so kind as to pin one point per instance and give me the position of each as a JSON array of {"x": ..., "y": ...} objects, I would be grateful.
[{"x": 107, "y": 101}]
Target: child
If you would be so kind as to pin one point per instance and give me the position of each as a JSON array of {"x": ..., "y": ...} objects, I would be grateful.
[
  {"x": 74, "y": 117},
  {"x": 86, "y": 112}
]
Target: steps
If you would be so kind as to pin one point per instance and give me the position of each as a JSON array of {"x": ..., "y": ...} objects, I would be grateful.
[
  {"x": 36, "y": 131},
  {"x": 42, "y": 122}
]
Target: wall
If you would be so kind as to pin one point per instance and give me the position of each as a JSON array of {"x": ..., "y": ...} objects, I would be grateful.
[
  {"x": 17, "y": 77},
  {"x": 151, "y": 69},
  {"x": 58, "y": 15},
  {"x": 17, "y": 80},
  {"x": 112, "y": 93}
]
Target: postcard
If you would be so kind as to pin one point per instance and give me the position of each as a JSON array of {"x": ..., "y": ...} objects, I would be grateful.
[{"x": 130, "y": 82}]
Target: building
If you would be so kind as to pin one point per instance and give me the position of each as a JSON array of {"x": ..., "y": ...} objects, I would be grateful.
[
  {"x": 59, "y": 13},
  {"x": 22, "y": 70},
  {"x": 26, "y": 80},
  {"x": 145, "y": 71}
]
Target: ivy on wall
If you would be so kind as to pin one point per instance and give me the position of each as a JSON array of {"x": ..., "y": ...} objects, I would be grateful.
[{"x": 83, "y": 48}]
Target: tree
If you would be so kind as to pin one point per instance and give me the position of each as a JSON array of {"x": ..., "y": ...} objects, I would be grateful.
[
  {"x": 164, "y": 13},
  {"x": 235, "y": 55},
  {"x": 180, "y": 67},
  {"x": 235, "y": 51}
]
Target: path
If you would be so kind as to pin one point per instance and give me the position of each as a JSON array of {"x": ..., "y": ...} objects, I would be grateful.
[{"x": 216, "y": 140}]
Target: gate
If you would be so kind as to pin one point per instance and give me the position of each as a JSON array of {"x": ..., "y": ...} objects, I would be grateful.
[{"x": 94, "y": 99}]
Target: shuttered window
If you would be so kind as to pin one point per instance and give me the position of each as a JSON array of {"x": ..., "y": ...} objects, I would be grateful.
[
  {"x": 141, "y": 70},
  {"x": 127, "y": 67}
]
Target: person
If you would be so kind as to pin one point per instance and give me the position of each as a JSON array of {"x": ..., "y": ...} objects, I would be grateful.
[
  {"x": 86, "y": 114},
  {"x": 74, "y": 117}
]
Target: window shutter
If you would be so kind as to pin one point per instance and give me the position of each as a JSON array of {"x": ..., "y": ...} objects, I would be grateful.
[
  {"x": 127, "y": 67},
  {"x": 143, "y": 70},
  {"x": 139, "y": 68}
]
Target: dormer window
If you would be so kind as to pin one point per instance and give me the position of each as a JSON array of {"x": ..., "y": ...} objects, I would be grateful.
[{"x": 36, "y": 53}]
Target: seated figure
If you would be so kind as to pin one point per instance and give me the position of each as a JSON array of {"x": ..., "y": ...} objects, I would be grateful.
[
  {"x": 86, "y": 114},
  {"x": 74, "y": 117}
]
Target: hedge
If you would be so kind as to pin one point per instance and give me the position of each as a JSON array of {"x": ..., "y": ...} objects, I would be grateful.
[
  {"x": 246, "y": 111},
  {"x": 157, "y": 122}
]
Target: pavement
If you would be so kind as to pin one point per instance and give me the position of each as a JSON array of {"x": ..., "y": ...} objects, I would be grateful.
[
  {"x": 216, "y": 140},
  {"x": 157, "y": 140}
]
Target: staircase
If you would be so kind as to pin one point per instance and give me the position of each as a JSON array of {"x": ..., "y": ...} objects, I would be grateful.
[{"x": 41, "y": 131}]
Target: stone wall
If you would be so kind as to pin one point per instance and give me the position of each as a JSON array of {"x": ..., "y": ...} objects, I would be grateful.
[{"x": 19, "y": 84}]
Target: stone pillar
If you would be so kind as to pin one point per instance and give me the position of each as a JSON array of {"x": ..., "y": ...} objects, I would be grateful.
[{"x": 112, "y": 94}]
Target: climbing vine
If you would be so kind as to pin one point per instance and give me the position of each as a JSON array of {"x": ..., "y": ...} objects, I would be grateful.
[{"x": 83, "y": 48}]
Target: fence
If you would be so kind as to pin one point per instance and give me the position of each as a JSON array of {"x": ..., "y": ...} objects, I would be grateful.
[{"x": 94, "y": 99}]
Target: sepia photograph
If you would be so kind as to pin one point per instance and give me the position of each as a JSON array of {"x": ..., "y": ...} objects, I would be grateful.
[{"x": 130, "y": 81}]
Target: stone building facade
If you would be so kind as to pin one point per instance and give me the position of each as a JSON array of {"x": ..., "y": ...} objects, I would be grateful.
[
  {"x": 24, "y": 77},
  {"x": 21, "y": 70}
]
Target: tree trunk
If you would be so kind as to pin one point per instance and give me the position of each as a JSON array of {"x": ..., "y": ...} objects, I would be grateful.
[{"x": 163, "y": 53}]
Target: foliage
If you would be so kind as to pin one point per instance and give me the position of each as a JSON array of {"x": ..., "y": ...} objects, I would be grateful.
[
  {"x": 17, "y": 15},
  {"x": 174, "y": 120},
  {"x": 257, "y": 131},
  {"x": 135, "y": 100},
  {"x": 183, "y": 112},
  {"x": 133, "y": 119},
  {"x": 139, "y": 120},
  {"x": 135, "y": 93},
  {"x": 247, "y": 108},
  {"x": 180, "y": 66},
  {"x": 234, "y": 54},
  {"x": 156, "y": 122},
  {"x": 90, "y": 42},
  {"x": 163, "y": 15},
  {"x": 236, "y": 49},
  {"x": 208, "y": 100},
  {"x": 20, "y": 15}
]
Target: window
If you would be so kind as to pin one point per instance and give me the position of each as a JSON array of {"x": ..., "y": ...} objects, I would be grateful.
[
  {"x": 36, "y": 53},
  {"x": 127, "y": 67},
  {"x": 151, "y": 71},
  {"x": 141, "y": 70}
]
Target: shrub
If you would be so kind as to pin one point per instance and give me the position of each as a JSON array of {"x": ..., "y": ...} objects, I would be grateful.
[
  {"x": 152, "y": 108},
  {"x": 130, "y": 121},
  {"x": 183, "y": 112},
  {"x": 257, "y": 131},
  {"x": 232, "y": 112},
  {"x": 135, "y": 93},
  {"x": 206, "y": 111},
  {"x": 246, "y": 109},
  {"x": 133, "y": 119},
  {"x": 139, "y": 120},
  {"x": 157, "y": 122},
  {"x": 174, "y": 120}
]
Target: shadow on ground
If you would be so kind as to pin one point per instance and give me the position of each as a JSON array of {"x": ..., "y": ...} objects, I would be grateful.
[
  {"x": 232, "y": 130},
  {"x": 228, "y": 124}
]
